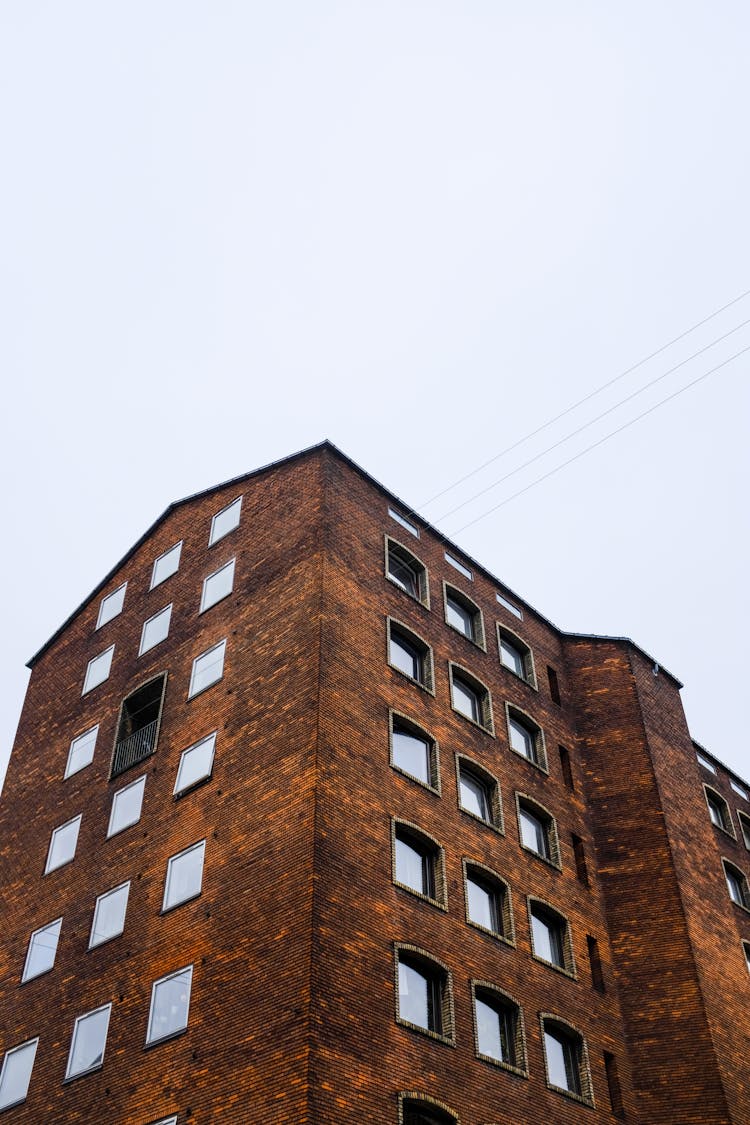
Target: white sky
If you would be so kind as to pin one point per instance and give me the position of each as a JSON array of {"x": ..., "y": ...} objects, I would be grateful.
[{"x": 229, "y": 230}]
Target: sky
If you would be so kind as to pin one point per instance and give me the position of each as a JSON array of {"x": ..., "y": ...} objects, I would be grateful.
[{"x": 420, "y": 229}]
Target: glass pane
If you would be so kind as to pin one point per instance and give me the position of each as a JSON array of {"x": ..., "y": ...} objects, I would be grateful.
[
  {"x": 403, "y": 574},
  {"x": 126, "y": 806},
  {"x": 109, "y": 915},
  {"x": 156, "y": 629},
  {"x": 511, "y": 657},
  {"x": 81, "y": 751},
  {"x": 715, "y": 813},
  {"x": 62, "y": 845},
  {"x": 557, "y": 1064},
  {"x": 533, "y": 835},
  {"x": 218, "y": 586},
  {"x": 413, "y": 996},
  {"x": 98, "y": 669},
  {"x": 735, "y": 888},
  {"x": 16, "y": 1074},
  {"x": 196, "y": 763},
  {"x": 42, "y": 949},
  {"x": 547, "y": 940},
  {"x": 111, "y": 606},
  {"x": 166, "y": 565},
  {"x": 170, "y": 1001},
  {"x": 522, "y": 740},
  {"x": 482, "y": 905},
  {"x": 405, "y": 657},
  {"x": 412, "y": 754},
  {"x": 89, "y": 1041},
  {"x": 411, "y": 867},
  {"x": 460, "y": 617},
  {"x": 466, "y": 700},
  {"x": 184, "y": 876},
  {"x": 474, "y": 796},
  {"x": 225, "y": 521},
  {"x": 493, "y": 1032},
  {"x": 207, "y": 668}
]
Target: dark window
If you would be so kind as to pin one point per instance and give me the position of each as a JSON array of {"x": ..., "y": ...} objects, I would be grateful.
[
  {"x": 410, "y": 655},
  {"x": 567, "y": 772},
  {"x": 554, "y": 686},
  {"x": 613, "y": 1085},
  {"x": 597, "y": 976},
  {"x": 138, "y": 728},
  {"x": 406, "y": 571},
  {"x": 745, "y": 828},
  {"x": 579, "y": 856},
  {"x": 416, "y": 1112}
]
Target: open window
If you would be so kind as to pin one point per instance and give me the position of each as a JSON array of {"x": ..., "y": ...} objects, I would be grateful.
[{"x": 138, "y": 728}]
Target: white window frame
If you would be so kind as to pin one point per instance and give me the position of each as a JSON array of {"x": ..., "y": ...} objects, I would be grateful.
[
  {"x": 78, "y": 743},
  {"x": 172, "y": 568},
  {"x": 79, "y": 1020},
  {"x": 111, "y": 831},
  {"x": 739, "y": 789},
  {"x": 704, "y": 761},
  {"x": 6, "y": 1069},
  {"x": 154, "y": 991},
  {"x": 210, "y": 738},
  {"x": 402, "y": 521},
  {"x": 181, "y": 857},
  {"x": 151, "y": 622},
  {"x": 458, "y": 565},
  {"x": 49, "y": 866},
  {"x": 94, "y": 676},
  {"x": 192, "y": 690},
  {"x": 205, "y": 603},
  {"x": 93, "y": 944},
  {"x": 26, "y": 975},
  {"x": 509, "y": 606},
  {"x": 107, "y": 613},
  {"x": 216, "y": 533}
]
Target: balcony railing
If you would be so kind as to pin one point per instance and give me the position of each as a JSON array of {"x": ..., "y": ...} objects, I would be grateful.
[{"x": 133, "y": 749}]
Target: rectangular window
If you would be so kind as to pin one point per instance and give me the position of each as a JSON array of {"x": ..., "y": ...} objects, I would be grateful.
[
  {"x": 208, "y": 669},
  {"x": 217, "y": 586},
  {"x": 704, "y": 761},
  {"x": 109, "y": 915},
  {"x": 170, "y": 1004},
  {"x": 184, "y": 876},
  {"x": 88, "y": 1042},
  {"x": 196, "y": 764},
  {"x": 81, "y": 752},
  {"x": 62, "y": 845},
  {"x": 459, "y": 566},
  {"x": 403, "y": 522},
  {"x": 613, "y": 1085},
  {"x": 40, "y": 956},
  {"x": 166, "y": 565},
  {"x": 126, "y": 807},
  {"x": 579, "y": 855},
  {"x": 597, "y": 976},
  {"x": 744, "y": 828},
  {"x": 225, "y": 521},
  {"x": 138, "y": 727},
  {"x": 739, "y": 789},
  {"x": 554, "y": 685},
  {"x": 15, "y": 1075},
  {"x": 509, "y": 606},
  {"x": 413, "y": 752},
  {"x": 155, "y": 630},
  {"x": 111, "y": 606},
  {"x": 98, "y": 669}
]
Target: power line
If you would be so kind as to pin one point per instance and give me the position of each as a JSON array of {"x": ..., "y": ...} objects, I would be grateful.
[
  {"x": 601, "y": 441},
  {"x": 591, "y": 421},
  {"x": 586, "y": 398}
]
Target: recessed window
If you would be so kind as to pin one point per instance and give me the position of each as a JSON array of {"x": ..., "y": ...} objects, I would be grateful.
[
  {"x": 98, "y": 669},
  {"x": 184, "y": 876},
  {"x": 167, "y": 1121},
  {"x": 166, "y": 565},
  {"x": 745, "y": 828},
  {"x": 196, "y": 764},
  {"x": 718, "y": 811},
  {"x": 126, "y": 807},
  {"x": 526, "y": 738},
  {"x": 138, "y": 726},
  {"x": 566, "y": 768},
  {"x": 111, "y": 606},
  {"x": 170, "y": 1004},
  {"x": 81, "y": 752},
  {"x": 537, "y": 831},
  {"x": 15, "y": 1075},
  {"x": 88, "y": 1042},
  {"x": 579, "y": 855},
  {"x": 208, "y": 669},
  {"x": 217, "y": 586},
  {"x": 554, "y": 685},
  {"x": 463, "y": 615},
  {"x": 423, "y": 993},
  {"x": 109, "y": 915},
  {"x": 705, "y": 762},
  {"x": 155, "y": 630},
  {"x": 746, "y": 951},
  {"x": 423, "y": 1111},
  {"x": 550, "y": 937},
  {"x": 613, "y": 1085},
  {"x": 406, "y": 571},
  {"x": 737, "y": 885},
  {"x": 40, "y": 956},
  {"x": 509, "y": 606},
  {"x": 418, "y": 862},
  {"x": 515, "y": 655},
  {"x": 62, "y": 845},
  {"x": 404, "y": 522},
  {"x": 565, "y": 1058},
  {"x": 410, "y": 655},
  {"x": 459, "y": 566},
  {"x": 225, "y": 521},
  {"x": 471, "y": 698},
  {"x": 739, "y": 789},
  {"x": 498, "y": 1028},
  {"x": 479, "y": 794},
  {"x": 488, "y": 902},
  {"x": 413, "y": 752},
  {"x": 595, "y": 963}
]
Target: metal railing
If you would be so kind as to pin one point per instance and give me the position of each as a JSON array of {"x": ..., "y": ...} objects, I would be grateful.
[{"x": 133, "y": 749}]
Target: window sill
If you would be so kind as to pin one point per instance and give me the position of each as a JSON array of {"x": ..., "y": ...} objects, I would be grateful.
[
  {"x": 417, "y": 780},
  {"x": 570, "y": 974},
  {"x": 176, "y": 905},
  {"x": 410, "y": 679},
  {"x": 480, "y": 820},
  {"x": 510, "y": 942},
  {"x": 446, "y": 1040},
  {"x": 82, "y": 1073},
  {"x": 542, "y": 767},
  {"x": 412, "y": 597},
  {"x": 191, "y": 788},
  {"x": 418, "y": 894},
  {"x": 542, "y": 859},
  {"x": 468, "y": 719},
  {"x": 472, "y": 641},
  {"x": 509, "y": 1067},
  {"x": 165, "y": 1039},
  {"x": 572, "y": 1095}
]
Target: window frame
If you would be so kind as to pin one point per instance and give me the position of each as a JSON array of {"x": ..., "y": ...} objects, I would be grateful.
[
  {"x": 531, "y": 806},
  {"x": 492, "y": 787},
  {"x": 463, "y": 601},
  {"x": 92, "y": 731},
  {"x": 411, "y": 560},
  {"x": 436, "y": 1112},
  {"x": 213, "y": 536},
  {"x": 181, "y": 792},
  {"x": 203, "y": 608},
  {"x": 103, "y": 618},
  {"x": 518, "y": 717},
  {"x": 512, "y": 639},
  {"x": 143, "y": 648},
  {"x": 442, "y": 983},
  {"x": 739, "y": 789},
  {"x": 25, "y": 976},
  {"x": 746, "y": 952},
  {"x": 433, "y": 852},
  {"x": 550, "y": 1021},
  {"x": 99, "y": 898},
  {"x": 703, "y": 760},
  {"x": 744, "y": 822},
  {"x": 564, "y": 932},
  {"x": 483, "y": 693},
  {"x": 479, "y": 990},
  {"x": 426, "y": 680},
  {"x": 130, "y": 785},
  {"x": 9, "y": 1052},
  {"x": 402, "y": 521},
  {"x": 395, "y": 718},
  {"x": 462, "y": 568},
  {"x": 167, "y": 906},
  {"x": 504, "y": 900},
  {"x": 155, "y": 565},
  {"x": 740, "y": 878},
  {"x": 107, "y": 652},
  {"x": 716, "y": 803},
  {"x": 69, "y": 1077},
  {"x": 47, "y": 868},
  {"x": 150, "y": 1041},
  {"x": 194, "y": 693}
]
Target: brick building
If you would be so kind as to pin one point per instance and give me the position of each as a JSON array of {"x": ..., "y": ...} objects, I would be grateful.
[{"x": 310, "y": 819}]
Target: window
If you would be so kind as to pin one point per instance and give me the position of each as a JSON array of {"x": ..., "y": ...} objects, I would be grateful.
[
  {"x": 424, "y": 1111},
  {"x": 196, "y": 764},
  {"x": 705, "y": 762},
  {"x": 98, "y": 669},
  {"x": 565, "y": 768},
  {"x": 487, "y": 902},
  {"x": 565, "y": 1057},
  {"x": 595, "y": 963},
  {"x": 509, "y": 606},
  {"x": 81, "y": 752},
  {"x": 138, "y": 726},
  {"x": 579, "y": 855},
  {"x": 225, "y": 521},
  {"x": 538, "y": 831},
  {"x": 737, "y": 885},
  {"x": 62, "y": 845},
  {"x": 410, "y": 655},
  {"x": 479, "y": 794},
  {"x": 550, "y": 937},
  {"x": 155, "y": 630},
  {"x": 88, "y": 1042},
  {"x": 746, "y": 951},
  {"x": 463, "y": 615},
  {"x": 111, "y": 606},
  {"x": 471, "y": 698},
  {"x": 515, "y": 655},
  {"x": 498, "y": 1027},
  {"x": 167, "y": 1121},
  {"x": 166, "y": 565},
  {"x": 459, "y": 566},
  {"x": 554, "y": 685},
  {"x": 170, "y": 1003},
  {"x": 526, "y": 738},
  {"x": 403, "y": 522},
  {"x": 424, "y": 999},
  {"x": 15, "y": 1075},
  {"x": 613, "y": 1085},
  {"x": 184, "y": 876},
  {"x": 109, "y": 915},
  {"x": 413, "y": 752},
  {"x": 739, "y": 789},
  {"x": 217, "y": 586},
  {"x": 718, "y": 811},
  {"x": 406, "y": 571},
  {"x": 417, "y": 862},
  {"x": 126, "y": 807},
  {"x": 744, "y": 828},
  {"x": 40, "y": 956},
  {"x": 208, "y": 669}
]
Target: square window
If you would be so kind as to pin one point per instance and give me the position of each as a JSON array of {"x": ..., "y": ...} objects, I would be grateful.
[
  {"x": 15, "y": 1075},
  {"x": 156, "y": 629},
  {"x": 109, "y": 915},
  {"x": 408, "y": 654},
  {"x": 98, "y": 669},
  {"x": 413, "y": 752},
  {"x": 423, "y": 993},
  {"x": 196, "y": 764},
  {"x": 470, "y": 698},
  {"x": 88, "y": 1042},
  {"x": 184, "y": 876},
  {"x": 170, "y": 1004},
  {"x": 166, "y": 565},
  {"x": 225, "y": 521},
  {"x": 81, "y": 752},
  {"x": 497, "y": 1025},
  {"x": 217, "y": 586},
  {"x": 208, "y": 669},
  {"x": 111, "y": 606},
  {"x": 126, "y": 807},
  {"x": 62, "y": 845},
  {"x": 40, "y": 956}
]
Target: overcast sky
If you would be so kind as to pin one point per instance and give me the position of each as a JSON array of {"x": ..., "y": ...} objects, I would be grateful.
[{"x": 231, "y": 229}]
